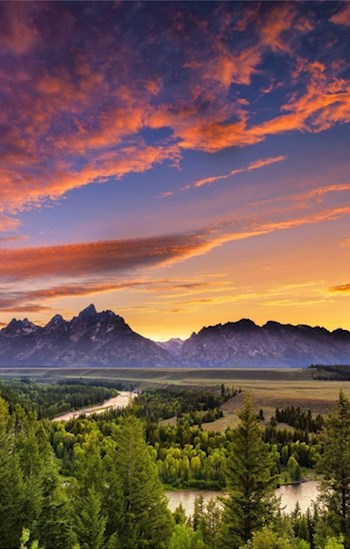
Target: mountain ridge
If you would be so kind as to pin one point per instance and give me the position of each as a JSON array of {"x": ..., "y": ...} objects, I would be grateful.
[
  {"x": 104, "y": 339},
  {"x": 245, "y": 344},
  {"x": 90, "y": 339}
]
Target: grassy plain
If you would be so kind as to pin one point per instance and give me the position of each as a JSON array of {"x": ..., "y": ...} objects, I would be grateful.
[{"x": 270, "y": 388}]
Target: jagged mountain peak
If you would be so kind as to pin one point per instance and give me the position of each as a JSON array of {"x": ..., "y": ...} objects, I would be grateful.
[
  {"x": 56, "y": 319},
  {"x": 104, "y": 339},
  {"x": 90, "y": 339},
  {"x": 20, "y": 327},
  {"x": 57, "y": 323},
  {"x": 88, "y": 313},
  {"x": 243, "y": 324},
  {"x": 244, "y": 344}
]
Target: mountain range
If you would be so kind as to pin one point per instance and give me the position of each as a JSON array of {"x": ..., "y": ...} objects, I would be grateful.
[
  {"x": 90, "y": 339},
  {"x": 103, "y": 339}
]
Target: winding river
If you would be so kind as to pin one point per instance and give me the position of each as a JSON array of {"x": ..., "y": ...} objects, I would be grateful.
[
  {"x": 303, "y": 493},
  {"x": 119, "y": 401}
]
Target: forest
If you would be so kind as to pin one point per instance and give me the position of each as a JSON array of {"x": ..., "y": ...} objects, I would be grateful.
[
  {"x": 98, "y": 482},
  {"x": 52, "y": 400}
]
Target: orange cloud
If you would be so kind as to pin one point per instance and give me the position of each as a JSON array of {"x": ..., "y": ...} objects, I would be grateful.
[
  {"x": 342, "y": 288},
  {"x": 212, "y": 137},
  {"x": 261, "y": 163},
  {"x": 95, "y": 258},
  {"x": 31, "y": 300},
  {"x": 303, "y": 199},
  {"x": 342, "y": 17},
  {"x": 326, "y": 102},
  {"x": 66, "y": 125},
  {"x": 265, "y": 162},
  {"x": 108, "y": 266},
  {"x": 278, "y": 20},
  {"x": 228, "y": 68},
  {"x": 116, "y": 256}
]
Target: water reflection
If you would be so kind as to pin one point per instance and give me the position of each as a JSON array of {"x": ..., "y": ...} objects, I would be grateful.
[{"x": 303, "y": 493}]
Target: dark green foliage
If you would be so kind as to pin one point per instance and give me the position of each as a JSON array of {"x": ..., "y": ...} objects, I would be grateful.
[
  {"x": 196, "y": 405},
  {"x": 294, "y": 469},
  {"x": 11, "y": 484},
  {"x": 30, "y": 490},
  {"x": 146, "y": 521},
  {"x": 304, "y": 525},
  {"x": 90, "y": 522},
  {"x": 101, "y": 489},
  {"x": 179, "y": 515},
  {"x": 334, "y": 462},
  {"x": 52, "y": 400},
  {"x": 304, "y": 421},
  {"x": 207, "y": 519},
  {"x": 54, "y": 525},
  {"x": 250, "y": 503},
  {"x": 330, "y": 372},
  {"x": 87, "y": 495},
  {"x": 198, "y": 513}
]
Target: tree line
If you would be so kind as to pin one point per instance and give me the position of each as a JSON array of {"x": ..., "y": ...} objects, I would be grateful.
[{"x": 49, "y": 401}]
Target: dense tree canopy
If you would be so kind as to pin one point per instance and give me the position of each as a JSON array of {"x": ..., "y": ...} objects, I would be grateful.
[
  {"x": 95, "y": 482},
  {"x": 334, "y": 463}
]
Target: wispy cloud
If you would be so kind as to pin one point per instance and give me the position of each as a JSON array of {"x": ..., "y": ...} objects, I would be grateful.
[
  {"x": 257, "y": 164},
  {"x": 96, "y": 258},
  {"x": 114, "y": 256},
  {"x": 343, "y": 288}
]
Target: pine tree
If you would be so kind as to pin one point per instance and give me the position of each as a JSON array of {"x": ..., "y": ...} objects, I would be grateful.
[
  {"x": 11, "y": 484},
  {"x": 145, "y": 519},
  {"x": 294, "y": 469},
  {"x": 91, "y": 524},
  {"x": 212, "y": 524},
  {"x": 53, "y": 526},
  {"x": 334, "y": 463},
  {"x": 88, "y": 495},
  {"x": 251, "y": 502},
  {"x": 198, "y": 512},
  {"x": 33, "y": 449},
  {"x": 179, "y": 515}
]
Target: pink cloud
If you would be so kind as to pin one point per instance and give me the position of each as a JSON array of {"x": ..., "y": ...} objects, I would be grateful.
[
  {"x": 342, "y": 17},
  {"x": 257, "y": 164},
  {"x": 69, "y": 124}
]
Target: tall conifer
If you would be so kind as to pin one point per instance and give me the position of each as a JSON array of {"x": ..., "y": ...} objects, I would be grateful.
[
  {"x": 146, "y": 521},
  {"x": 251, "y": 502},
  {"x": 334, "y": 463}
]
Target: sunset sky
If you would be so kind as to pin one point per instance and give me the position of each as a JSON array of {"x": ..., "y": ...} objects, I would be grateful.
[{"x": 182, "y": 164}]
